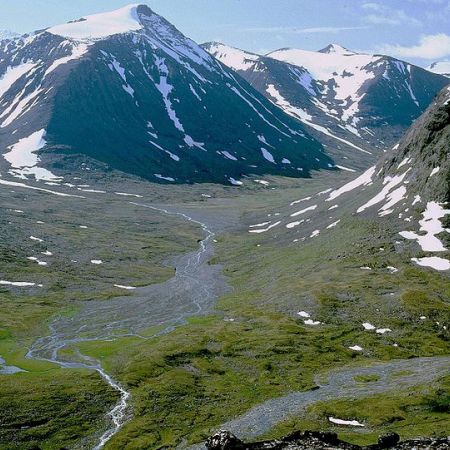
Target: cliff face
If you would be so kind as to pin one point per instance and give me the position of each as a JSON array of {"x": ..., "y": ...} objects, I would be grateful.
[
  {"x": 310, "y": 440},
  {"x": 425, "y": 151}
]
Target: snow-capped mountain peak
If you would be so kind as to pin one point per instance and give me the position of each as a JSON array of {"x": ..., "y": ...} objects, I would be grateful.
[
  {"x": 155, "y": 104},
  {"x": 347, "y": 98},
  {"x": 98, "y": 26},
  {"x": 323, "y": 65}
]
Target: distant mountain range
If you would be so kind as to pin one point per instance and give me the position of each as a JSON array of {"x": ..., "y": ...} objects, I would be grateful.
[
  {"x": 129, "y": 90},
  {"x": 354, "y": 103}
]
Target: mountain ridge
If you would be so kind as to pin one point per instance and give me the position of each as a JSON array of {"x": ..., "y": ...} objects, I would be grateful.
[{"x": 345, "y": 98}]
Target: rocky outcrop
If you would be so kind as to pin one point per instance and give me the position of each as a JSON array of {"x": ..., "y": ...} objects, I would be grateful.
[{"x": 312, "y": 440}]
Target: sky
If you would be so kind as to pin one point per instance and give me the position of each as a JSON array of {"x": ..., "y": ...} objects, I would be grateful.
[{"x": 414, "y": 30}]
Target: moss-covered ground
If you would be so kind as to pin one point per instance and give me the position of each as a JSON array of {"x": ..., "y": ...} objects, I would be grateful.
[{"x": 255, "y": 347}]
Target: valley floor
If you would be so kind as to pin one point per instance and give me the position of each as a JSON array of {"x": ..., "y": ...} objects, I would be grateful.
[{"x": 246, "y": 328}]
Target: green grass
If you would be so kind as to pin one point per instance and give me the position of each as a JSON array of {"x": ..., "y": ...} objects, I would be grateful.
[
  {"x": 47, "y": 407},
  {"x": 51, "y": 410},
  {"x": 366, "y": 378},
  {"x": 213, "y": 370},
  {"x": 255, "y": 347}
]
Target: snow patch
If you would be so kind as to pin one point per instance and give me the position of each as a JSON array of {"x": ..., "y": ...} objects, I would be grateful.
[
  {"x": 300, "y": 201},
  {"x": 334, "y": 224},
  {"x": 434, "y": 262},
  {"x": 303, "y": 211},
  {"x": 351, "y": 423},
  {"x": 78, "y": 50},
  {"x": 127, "y": 288},
  {"x": 235, "y": 182},
  {"x": 24, "y": 161},
  {"x": 431, "y": 226},
  {"x": 13, "y": 74},
  {"x": 364, "y": 180},
  {"x": 435, "y": 171},
  {"x": 228, "y": 155},
  {"x": 389, "y": 184},
  {"x": 294, "y": 224},
  {"x": 99, "y": 26},
  {"x": 265, "y": 229},
  {"x": 311, "y": 322},
  {"x": 356, "y": 348},
  {"x": 125, "y": 194},
  {"x": 267, "y": 155},
  {"x": 17, "y": 283},
  {"x": 161, "y": 177}
]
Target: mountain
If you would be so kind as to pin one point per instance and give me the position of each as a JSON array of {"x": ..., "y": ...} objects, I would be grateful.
[
  {"x": 440, "y": 67},
  {"x": 411, "y": 186},
  {"x": 356, "y": 104},
  {"x": 407, "y": 191},
  {"x": 423, "y": 156},
  {"x": 126, "y": 90}
]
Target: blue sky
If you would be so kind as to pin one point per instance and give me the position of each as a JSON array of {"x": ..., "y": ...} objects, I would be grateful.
[{"x": 414, "y": 30}]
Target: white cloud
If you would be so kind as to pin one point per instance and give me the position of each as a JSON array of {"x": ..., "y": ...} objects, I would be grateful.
[
  {"x": 328, "y": 29},
  {"x": 434, "y": 46},
  {"x": 378, "y": 14},
  {"x": 289, "y": 30}
]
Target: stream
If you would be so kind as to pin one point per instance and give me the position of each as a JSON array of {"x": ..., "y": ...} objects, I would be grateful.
[{"x": 192, "y": 291}]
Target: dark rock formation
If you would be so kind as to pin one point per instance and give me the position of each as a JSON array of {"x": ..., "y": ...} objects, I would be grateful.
[{"x": 311, "y": 440}]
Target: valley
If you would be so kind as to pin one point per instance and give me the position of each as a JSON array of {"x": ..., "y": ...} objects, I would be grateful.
[
  {"x": 197, "y": 237},
  {"x": 208, "y": 351}
]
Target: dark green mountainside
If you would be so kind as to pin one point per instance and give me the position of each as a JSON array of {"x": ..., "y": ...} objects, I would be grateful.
[{"x": 147, "y": 101}]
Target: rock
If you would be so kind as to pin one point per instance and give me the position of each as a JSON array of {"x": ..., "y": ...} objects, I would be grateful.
[
  {"x": 224, "y": 440},
  {"x": 388, "y": 440},
  {"x": 314, "y": 440}
]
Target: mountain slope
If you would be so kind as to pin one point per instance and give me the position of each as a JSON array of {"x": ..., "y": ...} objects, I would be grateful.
[
  {"x": 425, "y": 153},
  {"x": 127, "y": 89},
  {"x": 354, "y": 103},
  {"x": 407, "y": 191}
]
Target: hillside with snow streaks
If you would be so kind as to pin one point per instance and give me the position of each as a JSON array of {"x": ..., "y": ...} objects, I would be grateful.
[
  {"x": 387, "y": 197},
  {"x": 409, "y": 186},
  {"x": 355, "y": 104},
  {"x": 128, "y": 90}
]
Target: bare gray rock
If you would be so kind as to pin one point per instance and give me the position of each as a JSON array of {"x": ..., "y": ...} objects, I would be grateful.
[{"x": 311, "y": 440}]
